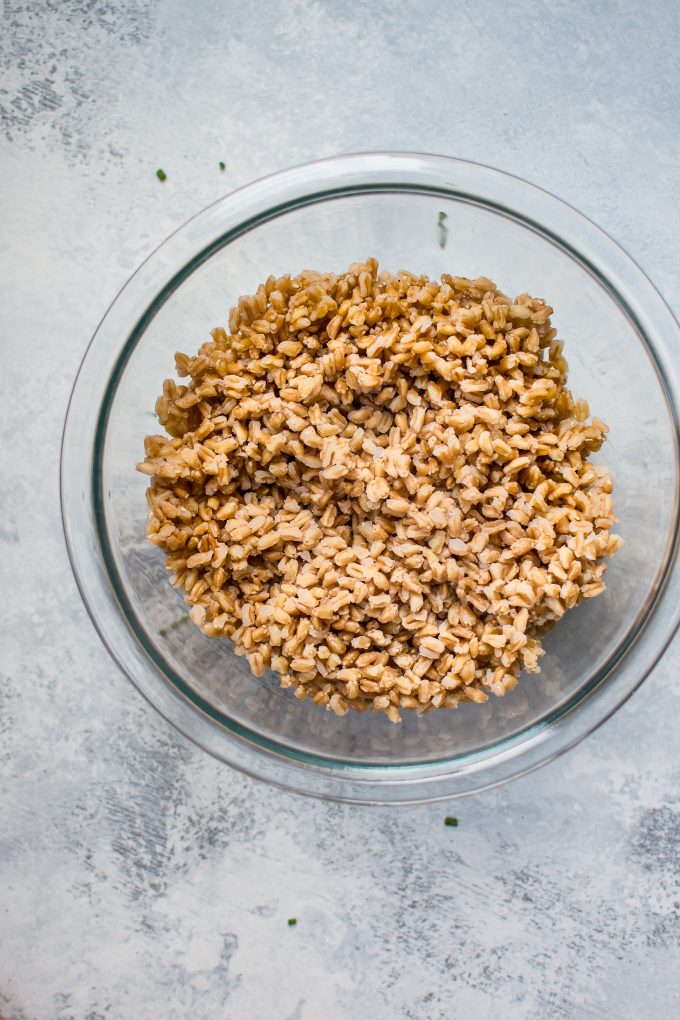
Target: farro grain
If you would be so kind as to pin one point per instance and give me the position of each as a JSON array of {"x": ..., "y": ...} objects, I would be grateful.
[{"x": 380, "y": 487}]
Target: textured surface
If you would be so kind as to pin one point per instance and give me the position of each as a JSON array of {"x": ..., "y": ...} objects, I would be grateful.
[{"x": 138, "y": 878}]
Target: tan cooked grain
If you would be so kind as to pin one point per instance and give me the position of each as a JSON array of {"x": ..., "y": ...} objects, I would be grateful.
[{"x": 380, "y": 487}]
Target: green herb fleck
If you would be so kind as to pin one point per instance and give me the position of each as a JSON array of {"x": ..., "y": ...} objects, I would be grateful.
[
  {"x": 173, "y": 626},
  {"x": 443, "y": 229},
  {"x": 223, "y": 166},
  {"x": 292, "y": 921},
  {"x": 161, "y": 175},
  {"x": 450, "y": 821}
]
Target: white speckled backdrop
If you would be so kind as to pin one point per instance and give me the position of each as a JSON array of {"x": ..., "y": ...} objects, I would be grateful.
[{"x": 139, "y": 879}]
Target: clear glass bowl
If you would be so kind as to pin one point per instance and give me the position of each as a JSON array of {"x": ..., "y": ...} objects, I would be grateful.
[{"x": 622, "y": 346}]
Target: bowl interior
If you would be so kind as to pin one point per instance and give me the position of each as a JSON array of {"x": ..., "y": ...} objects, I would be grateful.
[{"x": 610, "y": 365}]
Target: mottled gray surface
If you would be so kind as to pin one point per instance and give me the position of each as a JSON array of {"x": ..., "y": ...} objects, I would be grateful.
[{"x": 139, "y": 878}]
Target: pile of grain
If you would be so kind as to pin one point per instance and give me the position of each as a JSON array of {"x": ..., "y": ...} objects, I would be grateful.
[{"x": 379, "y": 486}]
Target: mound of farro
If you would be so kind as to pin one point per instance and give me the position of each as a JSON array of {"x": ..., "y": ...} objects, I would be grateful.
[{"x": 379, "y": 487}]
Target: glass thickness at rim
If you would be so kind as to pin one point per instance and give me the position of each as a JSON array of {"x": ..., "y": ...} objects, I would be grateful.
[{"x": 391, "y": 166}]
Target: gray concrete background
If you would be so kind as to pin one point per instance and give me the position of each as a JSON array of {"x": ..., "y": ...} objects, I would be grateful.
[{"x": 139, "y": 879}]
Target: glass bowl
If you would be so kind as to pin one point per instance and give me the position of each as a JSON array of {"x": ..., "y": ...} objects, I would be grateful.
[{"x": 621, "y": 344}]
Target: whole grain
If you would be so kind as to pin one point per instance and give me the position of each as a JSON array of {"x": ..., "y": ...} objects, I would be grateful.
[{"x": 380, "y": 487}]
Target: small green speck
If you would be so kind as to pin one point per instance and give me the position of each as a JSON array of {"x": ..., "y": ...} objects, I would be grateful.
[
  {"x": 223, "y": 166},
  {"x": 450, "y": 821},
  {"x": 173, "y": 626},
  {"x": 292, "y": 921},
  {"x": 442, "y": 229},
  {"x": 161, "y": 175}
]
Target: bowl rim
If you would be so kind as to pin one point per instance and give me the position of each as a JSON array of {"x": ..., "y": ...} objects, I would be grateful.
[{"x": 244, "y": 209}]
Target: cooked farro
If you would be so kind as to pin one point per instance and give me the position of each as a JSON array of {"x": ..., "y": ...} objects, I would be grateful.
[{"x": 380, "y": 487}]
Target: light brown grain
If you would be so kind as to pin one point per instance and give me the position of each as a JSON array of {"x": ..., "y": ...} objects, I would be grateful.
[{"x": 380, "y": 487}]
